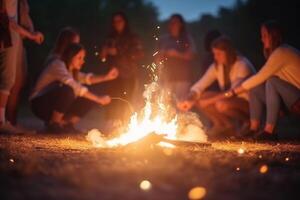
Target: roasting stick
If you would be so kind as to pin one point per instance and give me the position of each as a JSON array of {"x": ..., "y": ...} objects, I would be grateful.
[{"x": 125, "y": 101}]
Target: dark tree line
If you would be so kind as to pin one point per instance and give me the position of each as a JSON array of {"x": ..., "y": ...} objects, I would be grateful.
[{"x": 91, "y": 17}]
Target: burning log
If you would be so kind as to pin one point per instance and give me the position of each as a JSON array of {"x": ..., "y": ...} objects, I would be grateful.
[
  {"x": 186, "y": 143},
  {"x": 153, "y": 138}
]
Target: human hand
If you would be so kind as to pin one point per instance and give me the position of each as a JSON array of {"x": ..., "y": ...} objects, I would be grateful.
[
  {"x": 185, "y": 105},
  {"x": 38, "y": 37},
  {"x": 112, "y": 74},
  {"x": 104, "y": 100},
  {"x": 229, "y": 94}
]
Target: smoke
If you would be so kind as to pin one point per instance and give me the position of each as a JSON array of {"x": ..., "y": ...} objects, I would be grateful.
[
  {"x": 190, "y": 128},
  {"x": 159, "y": 116},
  {"x": 96, "y": 138}
]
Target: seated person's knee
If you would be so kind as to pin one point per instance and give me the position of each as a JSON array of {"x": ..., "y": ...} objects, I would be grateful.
[
  {"x": 221, "y": 106},
  {"x": 272, "y": 80},
  {"x": 66, "y": 91}
]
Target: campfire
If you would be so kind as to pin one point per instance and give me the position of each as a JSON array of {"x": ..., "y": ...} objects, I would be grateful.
[{"x": 158, "y": 121}]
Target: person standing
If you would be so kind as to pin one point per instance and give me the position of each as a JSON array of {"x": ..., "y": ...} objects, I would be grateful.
[
  {"x": 25, "y": 21},
  {"x": 177, "y": 50},
  {"x": 123, "y": 50},
  {"x": 9, "y": 57}
]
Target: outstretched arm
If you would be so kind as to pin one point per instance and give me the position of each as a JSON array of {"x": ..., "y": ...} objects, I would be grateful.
[
  {"x": 94, "y": 79},
  {"x": 102, "y": 100}
]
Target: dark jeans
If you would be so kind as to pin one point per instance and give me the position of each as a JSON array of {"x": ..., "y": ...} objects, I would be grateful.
[
  {"x": 274, "y": 93},
  {"x": 61, "y": 98}
]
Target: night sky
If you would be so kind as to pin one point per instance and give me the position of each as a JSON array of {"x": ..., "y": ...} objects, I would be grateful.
[{"x": 190, "y": 9}]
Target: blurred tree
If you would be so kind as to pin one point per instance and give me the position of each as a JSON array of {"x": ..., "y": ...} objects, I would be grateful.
[
  {"x": 91, "y": 17},
  {"x": 242, "y": 24}
]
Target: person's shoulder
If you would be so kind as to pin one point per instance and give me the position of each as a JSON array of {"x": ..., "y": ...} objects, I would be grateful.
[
  {"x": 286, "y": 49},
  {"x": 56, "y": 63},
  {"x": 213, "y": 66},
  {"x": 244, "y": 62}
]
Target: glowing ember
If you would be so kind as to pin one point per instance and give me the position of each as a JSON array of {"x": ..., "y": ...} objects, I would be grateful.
[
  {"x": 11, "y": 160},
  {"x": 241, "y": 151},
  {"x": 238, "y": 169},
  {"x": 263, "y": 169},
  {"x": 287, "y": 159},
  {"x": 145, "y": 185},
  {"x": 197, "y": 193},
  {"x": 155, "y": 53}
]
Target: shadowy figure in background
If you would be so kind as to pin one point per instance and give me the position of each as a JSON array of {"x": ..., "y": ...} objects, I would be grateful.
[
  {"x": 229, "y": 69},
  {"x": 275, "y": 84},
  {"x": 122, "y": 49},
  {"x": 176, "y": 50},
  {"x": 66, "y": 36},
  {"x": 60, "y": 98},
  {"x": 208, "y": 57},
  {"x": 17, "y": 26}
]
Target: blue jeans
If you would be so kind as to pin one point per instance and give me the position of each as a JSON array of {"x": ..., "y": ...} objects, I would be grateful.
[{"x": 271, "y": 95}]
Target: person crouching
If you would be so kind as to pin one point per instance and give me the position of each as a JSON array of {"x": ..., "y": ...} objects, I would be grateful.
[{"x": 60, "y": 97}]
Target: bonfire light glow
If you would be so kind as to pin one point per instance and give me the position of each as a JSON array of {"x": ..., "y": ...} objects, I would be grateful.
[{"x": 158, "y": 116}]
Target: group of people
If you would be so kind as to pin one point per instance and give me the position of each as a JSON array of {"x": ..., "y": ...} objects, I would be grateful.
[
  {"x": 263, "y": 95},
  {"x": 63, "y": 94}
]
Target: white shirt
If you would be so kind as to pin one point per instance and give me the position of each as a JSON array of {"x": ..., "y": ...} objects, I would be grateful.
[
  {"x": 240, "y": 70},
  {"x": 56, "y": 70},
  {"x": 284, "y": 63}
]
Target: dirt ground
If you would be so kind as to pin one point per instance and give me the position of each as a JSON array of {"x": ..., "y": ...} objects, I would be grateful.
[{"x": 68, "y": 167}]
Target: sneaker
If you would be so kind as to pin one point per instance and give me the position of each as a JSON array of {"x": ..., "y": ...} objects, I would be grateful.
[
  {"x": 265, "y": 136},
  {"x": 7, "y": 128}
]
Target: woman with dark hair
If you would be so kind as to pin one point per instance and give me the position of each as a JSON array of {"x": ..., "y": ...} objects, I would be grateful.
[
  {"x": 229, "y": 69},
  {"x": 208, "y": 57},
  {"x": 277, "y": 81},
  {"x": 121, "y": 49},
  {"x": 177, "y": 50},
  {"x": 59, "y": 97},
  {"x": 67, "y": 36}
]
